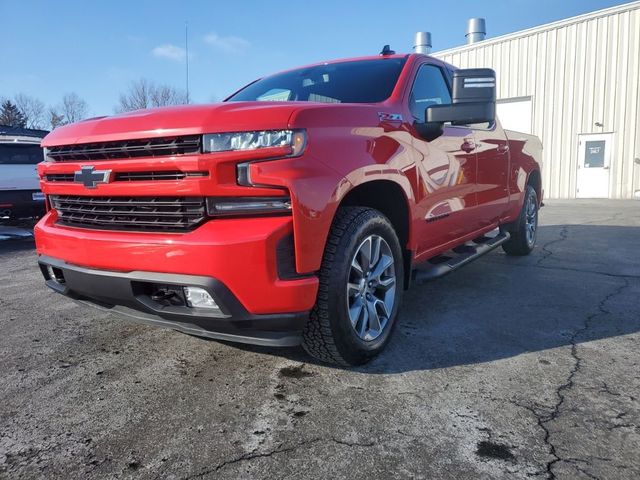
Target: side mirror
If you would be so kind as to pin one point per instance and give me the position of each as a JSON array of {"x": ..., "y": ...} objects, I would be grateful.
[{"x": 473, "y": 99}]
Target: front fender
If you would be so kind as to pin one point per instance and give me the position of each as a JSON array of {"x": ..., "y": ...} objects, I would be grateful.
[
  {"x": 316, "y": 190},
  {"x": 337, "y": 160}
]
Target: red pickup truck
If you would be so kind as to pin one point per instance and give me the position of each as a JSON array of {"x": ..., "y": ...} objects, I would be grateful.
[{"x": 294, "y": 212}]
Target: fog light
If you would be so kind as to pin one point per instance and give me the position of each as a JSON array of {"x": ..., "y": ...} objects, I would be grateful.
[
  {"x": 52, "y": 275},
  {"x": 55, "y": 274},
  {"x": 199, "y": 298}
]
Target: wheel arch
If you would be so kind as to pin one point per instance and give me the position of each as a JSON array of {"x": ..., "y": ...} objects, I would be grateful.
[
  {"x": 389, "y": 198},
  {"x": 535, "y": 180}
]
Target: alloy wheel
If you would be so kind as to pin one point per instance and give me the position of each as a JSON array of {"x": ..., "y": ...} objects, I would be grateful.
[
  {"x": 531, "y": 220},
  {"x": 371, "y": 287}
]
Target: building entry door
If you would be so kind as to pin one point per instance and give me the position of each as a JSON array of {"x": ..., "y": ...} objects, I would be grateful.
[{"x": 594, "y": 165}]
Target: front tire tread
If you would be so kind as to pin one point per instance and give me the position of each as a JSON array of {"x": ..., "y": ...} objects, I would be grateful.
[{"x": 318, "y": 336}]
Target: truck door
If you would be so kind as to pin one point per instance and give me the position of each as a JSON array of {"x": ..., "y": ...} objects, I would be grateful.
[
  {"x": 446, "y": 168},
  {"x": 492, "y": 179}
]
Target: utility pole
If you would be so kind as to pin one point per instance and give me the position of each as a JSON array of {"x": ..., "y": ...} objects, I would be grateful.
[{"x": 186, "y": 59}]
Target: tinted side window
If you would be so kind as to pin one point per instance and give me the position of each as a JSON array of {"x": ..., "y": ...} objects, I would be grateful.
[
  {"x": 17, "y": 154},
  {"x": 429, "y": 88}
]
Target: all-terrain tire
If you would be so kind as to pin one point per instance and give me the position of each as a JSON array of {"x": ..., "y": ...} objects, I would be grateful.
[
  {"x": 329, "y": 334},
  {"x": 524, "y": 231}
]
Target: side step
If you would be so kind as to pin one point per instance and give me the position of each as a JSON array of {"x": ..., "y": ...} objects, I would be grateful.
[{"x": 455, "y": 258}]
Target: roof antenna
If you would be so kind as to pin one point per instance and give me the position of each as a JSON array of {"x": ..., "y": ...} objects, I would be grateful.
[{"x": 386, "y": 50}]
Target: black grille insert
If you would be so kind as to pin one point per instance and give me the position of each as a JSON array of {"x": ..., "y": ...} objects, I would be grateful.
[
  {"x": 152, "y": 176},
  {"x": 153, "y": 214},
  {"x": 59, "y": 177},
  {"x": 149, "y": 147},
  {"x": 133, "y": 176}
]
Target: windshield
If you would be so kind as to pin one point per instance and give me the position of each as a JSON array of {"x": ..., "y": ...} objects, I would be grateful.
[
  {"x": 20, "y": 154},
  {"x": 362, "y": 81}
]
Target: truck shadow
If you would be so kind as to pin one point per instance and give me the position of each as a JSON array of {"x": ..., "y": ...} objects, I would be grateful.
[
  {"x": 8, "y": 247},
  {"x": 16, "y": 236},
  {"x": 571, "y": 289},
  {"x": 582, "y": 283}
]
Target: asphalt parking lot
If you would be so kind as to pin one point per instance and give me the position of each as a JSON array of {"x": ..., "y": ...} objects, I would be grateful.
[{"x": 507, "y": 368}]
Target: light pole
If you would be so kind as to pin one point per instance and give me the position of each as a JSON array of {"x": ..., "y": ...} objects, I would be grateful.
[{"x": 186, "y": 58}]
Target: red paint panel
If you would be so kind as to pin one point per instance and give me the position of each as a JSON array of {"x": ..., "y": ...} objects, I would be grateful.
[{"x": 238, "y": 252}]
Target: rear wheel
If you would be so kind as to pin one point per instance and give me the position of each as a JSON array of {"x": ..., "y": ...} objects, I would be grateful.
[
  {"x": 524, "y": 231},
  {"x": 361, "y": 284}
]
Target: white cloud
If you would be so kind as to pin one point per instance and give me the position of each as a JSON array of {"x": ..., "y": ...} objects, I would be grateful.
[
  {"x": 171, "y": 52},
  {"x": 228, "y": 44}
]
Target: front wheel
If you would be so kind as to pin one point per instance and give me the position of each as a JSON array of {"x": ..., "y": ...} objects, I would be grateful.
[
  {"x": 524, "y": 231},
  {"x": 361, "y": 285}
]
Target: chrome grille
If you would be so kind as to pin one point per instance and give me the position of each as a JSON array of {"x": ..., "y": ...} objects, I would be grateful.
[
  {"x": 149, "y": 147},
  {"x": 153, "y": 214}
]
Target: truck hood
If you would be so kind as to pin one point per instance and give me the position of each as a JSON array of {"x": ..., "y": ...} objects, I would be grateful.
[
  {"x": 221, "y": 117},
  {"x": 175, "y": 121}
]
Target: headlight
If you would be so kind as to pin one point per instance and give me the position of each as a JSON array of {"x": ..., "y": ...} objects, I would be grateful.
[{"x": 225, "y": 142}]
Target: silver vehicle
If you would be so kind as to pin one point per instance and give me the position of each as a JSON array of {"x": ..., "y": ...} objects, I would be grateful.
[{"x": 20, "y": 152}]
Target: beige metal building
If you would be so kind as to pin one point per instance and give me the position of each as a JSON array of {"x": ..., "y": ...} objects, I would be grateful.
[{"x": 575, "y": 84}]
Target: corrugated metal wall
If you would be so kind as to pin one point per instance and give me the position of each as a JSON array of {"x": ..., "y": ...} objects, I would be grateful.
[{"x": 579, "y": 72}]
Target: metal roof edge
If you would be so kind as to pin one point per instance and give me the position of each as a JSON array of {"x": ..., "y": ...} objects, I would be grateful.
[{"x": 544, "y": 27}]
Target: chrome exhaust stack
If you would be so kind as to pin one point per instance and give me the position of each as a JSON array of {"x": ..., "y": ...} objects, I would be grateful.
[
  {"x": 422, "y": 43},
  {"x": 476, "y": 30}
]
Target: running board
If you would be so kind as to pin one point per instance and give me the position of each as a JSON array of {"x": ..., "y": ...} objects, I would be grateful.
[{"x": 455, "y": 258}]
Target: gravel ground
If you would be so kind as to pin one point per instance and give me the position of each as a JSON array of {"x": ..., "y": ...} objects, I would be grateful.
[{"x": 507, "y": 368}]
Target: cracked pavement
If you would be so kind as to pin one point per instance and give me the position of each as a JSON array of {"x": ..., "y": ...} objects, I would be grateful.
[{"x": 507, "y": 368}]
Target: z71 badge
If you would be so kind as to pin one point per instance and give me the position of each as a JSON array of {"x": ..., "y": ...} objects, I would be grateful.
[{"x": 389, "y": 117}]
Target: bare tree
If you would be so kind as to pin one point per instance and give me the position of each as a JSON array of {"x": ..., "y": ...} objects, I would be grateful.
[
  {"x": 32, "y": 109},
  {"x": 146, "y": 94},
  {"x": 136, "y": 98},
  {"x": 163, "y": 95},
  {"x": 73, "y": 108},
  {"x": 56, "y": 119}
]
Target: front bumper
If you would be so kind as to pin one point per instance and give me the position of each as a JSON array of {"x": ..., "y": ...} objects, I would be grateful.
[
  {"x": 129, "y": 293},
  {"x": 241, "y": 253},
  {"x": 17, "y": 204}
]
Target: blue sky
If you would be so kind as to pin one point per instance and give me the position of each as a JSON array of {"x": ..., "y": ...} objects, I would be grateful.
[{"x": 98, "y": 48}]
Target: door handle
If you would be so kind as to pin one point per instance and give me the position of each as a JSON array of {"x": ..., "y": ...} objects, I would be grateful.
[
  {"x": 607, "y": 167},
  {"x": 468, "y": 146},
  {"x": 502, "y": 148}
]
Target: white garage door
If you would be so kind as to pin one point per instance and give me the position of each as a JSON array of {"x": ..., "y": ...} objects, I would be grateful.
[{"x": 515, "y": 114}]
